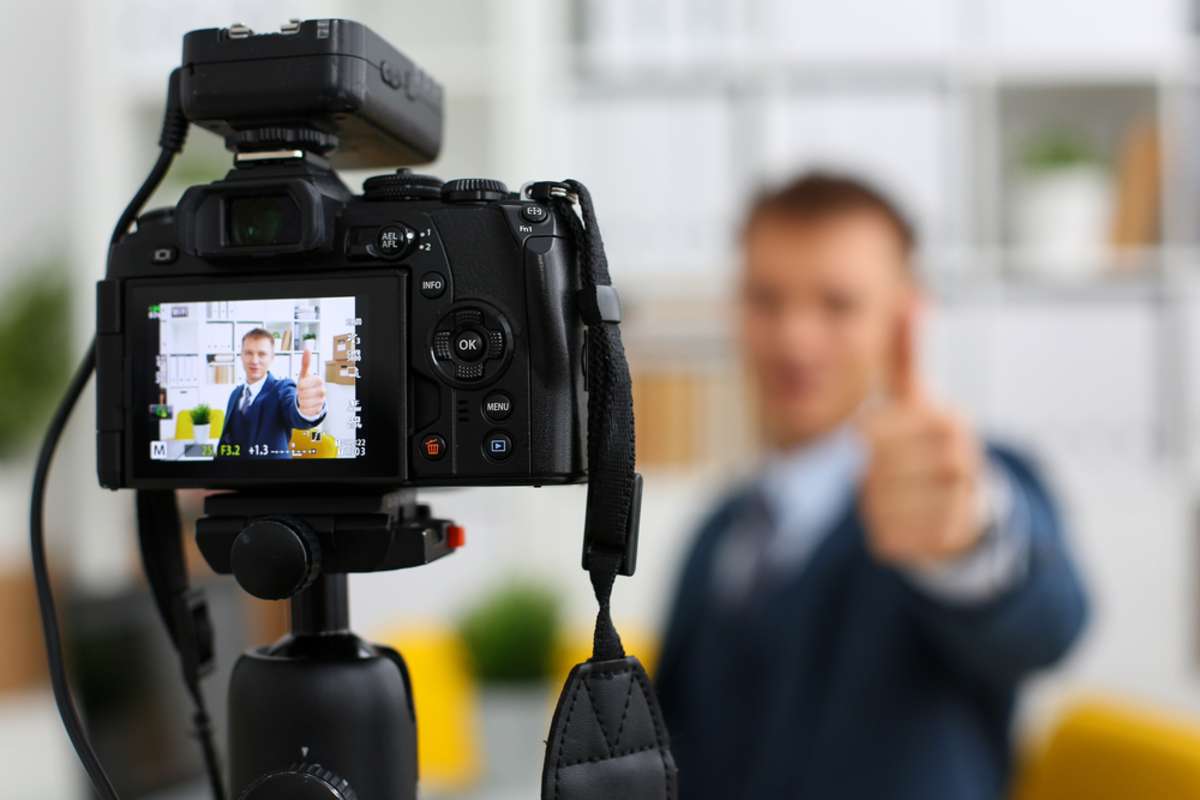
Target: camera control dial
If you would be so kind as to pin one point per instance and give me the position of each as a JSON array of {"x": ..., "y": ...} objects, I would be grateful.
[
  {"x": 471, "y": 345},
  {"x": 473, "y": 190},
  {"x": 403, "y": 184}
]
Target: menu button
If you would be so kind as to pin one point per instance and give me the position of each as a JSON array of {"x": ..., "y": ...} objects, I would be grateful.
[{"x": 497, "y": 406}]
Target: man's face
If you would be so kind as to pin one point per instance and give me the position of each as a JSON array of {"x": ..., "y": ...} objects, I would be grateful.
[
  {"x": 820, "y": 305},
  {"x": 257, "y": 354}
]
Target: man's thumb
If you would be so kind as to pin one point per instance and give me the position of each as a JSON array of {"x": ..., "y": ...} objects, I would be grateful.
[
  {"x": 904, "y": 371},
  {"x": 305, "y": 363}
]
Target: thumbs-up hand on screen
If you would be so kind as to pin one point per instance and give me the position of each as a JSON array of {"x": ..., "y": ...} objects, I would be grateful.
[
  {"x": 920, "y": 498},
  {"x": 310, "y": 389}
]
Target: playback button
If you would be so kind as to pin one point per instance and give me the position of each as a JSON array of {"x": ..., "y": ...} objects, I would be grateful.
[{"x": 497, "y": 445}]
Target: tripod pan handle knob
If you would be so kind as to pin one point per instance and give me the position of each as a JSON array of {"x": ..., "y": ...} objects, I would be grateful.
[{"x": 275, "y": 558}]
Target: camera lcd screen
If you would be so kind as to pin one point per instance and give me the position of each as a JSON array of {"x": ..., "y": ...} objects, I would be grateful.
[
  {"x": 269, "y": 380},
  {"x": 245, "y": 379}
]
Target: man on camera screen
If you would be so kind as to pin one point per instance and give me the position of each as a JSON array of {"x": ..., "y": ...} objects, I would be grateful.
[{"x": 262, "y": 412}]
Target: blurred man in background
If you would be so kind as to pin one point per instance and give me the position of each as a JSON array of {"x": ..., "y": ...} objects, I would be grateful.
[{"x": 856, "y": 621}]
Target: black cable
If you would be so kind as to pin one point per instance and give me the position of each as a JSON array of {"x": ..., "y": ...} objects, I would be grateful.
[
  {"x": 171, "y": 140},
  {"x": 41, "y": 579},
  {"x": 157, "y": 172}
]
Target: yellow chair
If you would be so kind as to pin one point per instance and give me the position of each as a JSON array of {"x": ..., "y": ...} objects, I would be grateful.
[
  {"x": 1102, "y": 750},
  {"x": 444, "y": 694},
  {"x": 185, "y": 430},
  {"x": 304, "y": 445}
]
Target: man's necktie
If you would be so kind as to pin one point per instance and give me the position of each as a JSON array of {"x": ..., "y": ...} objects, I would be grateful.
[
  {"x": 245, "y": 399},
  {"x": 746, "y": 566}
]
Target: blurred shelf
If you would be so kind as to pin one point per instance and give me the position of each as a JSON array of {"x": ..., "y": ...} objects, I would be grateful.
[{"x": 648, "y": 71}]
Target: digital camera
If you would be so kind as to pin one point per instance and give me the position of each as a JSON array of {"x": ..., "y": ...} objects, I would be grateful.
[{"x": 275, "y": 328}]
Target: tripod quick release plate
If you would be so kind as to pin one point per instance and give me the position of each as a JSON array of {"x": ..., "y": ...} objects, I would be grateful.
[{"x": 325, "y": 534}]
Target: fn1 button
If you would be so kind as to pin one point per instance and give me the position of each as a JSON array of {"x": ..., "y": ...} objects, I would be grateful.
[
  {"x": 433, "y": 285},
  {"x": 535, "y": 213}
]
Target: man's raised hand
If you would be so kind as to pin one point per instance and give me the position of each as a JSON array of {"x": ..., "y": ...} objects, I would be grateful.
[
  {"x": 920, "y": 496},
  {"x": 310, "y": 389}
]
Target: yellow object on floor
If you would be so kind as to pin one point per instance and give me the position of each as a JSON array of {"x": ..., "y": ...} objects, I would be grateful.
[
  {"x": 577, "y": 647},
  {"x": 448, "y": 749},
  {"x": 1102, "y": 750},
  {"x": 305, "y": 445}
]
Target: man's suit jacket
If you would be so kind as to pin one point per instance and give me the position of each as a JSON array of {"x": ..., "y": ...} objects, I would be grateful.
[
  {"x": 267, "y": 424},
  {"x": 844, "y": 681}
]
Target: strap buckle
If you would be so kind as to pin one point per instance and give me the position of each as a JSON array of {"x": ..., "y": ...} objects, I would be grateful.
[
  {"x": 194, "y": 629},
  {"x": 544, "y": 191},
  {"x": 595, "y": 550},
  {"x": 600, "y": 304}
]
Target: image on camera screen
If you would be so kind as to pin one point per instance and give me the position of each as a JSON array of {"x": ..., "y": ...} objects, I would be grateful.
[{"x": 242, "y": 380}]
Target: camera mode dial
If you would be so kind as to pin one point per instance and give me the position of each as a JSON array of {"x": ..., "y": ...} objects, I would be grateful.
[
  {"x": 300, "y": 782},
  {"x": 473, "y": 190},
  {"x": 403, "y": 184}
]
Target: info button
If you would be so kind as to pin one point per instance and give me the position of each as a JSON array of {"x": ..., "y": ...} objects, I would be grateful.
[{"x": 433, "y": 285}]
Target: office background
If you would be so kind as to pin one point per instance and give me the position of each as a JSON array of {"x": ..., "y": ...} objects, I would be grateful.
[{"x": 1049, "y": 151}]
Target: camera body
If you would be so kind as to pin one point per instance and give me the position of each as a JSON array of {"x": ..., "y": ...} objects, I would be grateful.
[{"x": 441, "y": 318}]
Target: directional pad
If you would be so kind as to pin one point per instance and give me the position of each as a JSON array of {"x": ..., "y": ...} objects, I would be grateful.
[
  {"x": 495, "y": 343},
  {"x": 441, "y": 345},
  {"x": 470, "y": 345},
  {"x": 468, "y": 372}
]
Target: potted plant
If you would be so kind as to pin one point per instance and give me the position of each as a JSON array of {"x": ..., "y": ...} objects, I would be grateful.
[
  {"x": 309, "y": 341},
  {"x": 1062, "y": 206},
  {"x": 511, "y": 638},
  {"x": 201, "y": 423}
]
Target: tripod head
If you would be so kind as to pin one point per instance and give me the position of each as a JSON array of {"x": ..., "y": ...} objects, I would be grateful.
[
  {"x": 278, "y": 544},
  {"x": 304, "y": 699}
]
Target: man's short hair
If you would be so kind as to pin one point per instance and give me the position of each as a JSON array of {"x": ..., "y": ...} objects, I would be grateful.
[
  {"x": 818, "y": 195},
  {"x": 258, "y": 333}
]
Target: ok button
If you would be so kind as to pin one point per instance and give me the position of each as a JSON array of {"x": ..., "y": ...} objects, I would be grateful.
[{"x": 468, "y": 345}]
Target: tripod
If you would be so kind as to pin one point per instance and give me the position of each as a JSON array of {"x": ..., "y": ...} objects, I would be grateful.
[{"x": 321, "y": 714}]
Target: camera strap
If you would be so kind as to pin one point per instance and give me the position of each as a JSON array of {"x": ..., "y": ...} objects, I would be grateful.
[
  {"x": 184, "y": 610},
  {"x": 607, "y": 738}
]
